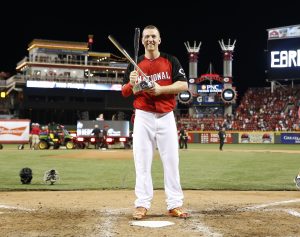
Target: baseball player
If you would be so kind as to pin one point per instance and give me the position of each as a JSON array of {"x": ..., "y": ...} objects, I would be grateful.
[{"x": 154, "y": 124}]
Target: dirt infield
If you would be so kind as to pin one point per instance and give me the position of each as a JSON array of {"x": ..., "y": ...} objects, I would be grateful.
[{"x": 108, "y": 213}]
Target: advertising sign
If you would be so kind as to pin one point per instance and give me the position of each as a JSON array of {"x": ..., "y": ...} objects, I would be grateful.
[
  {"x": 283, "y": 59},
  {"x": 114, "y": 128},
  {"x": 209, "y": 88},
  {"x": 284, "y": 32},
  {"x": 256, "y": 137},
  {"x": 214, "y": 138},
  {"x": 70, "y": 85},
  {"x": 290, "y": 138},
  {"x": 14, "y": 131}
]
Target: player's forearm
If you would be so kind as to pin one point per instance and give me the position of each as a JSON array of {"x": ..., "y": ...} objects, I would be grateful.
[
  {"x": 127, "y": 90},
  {"x": 175, "y": 88}
]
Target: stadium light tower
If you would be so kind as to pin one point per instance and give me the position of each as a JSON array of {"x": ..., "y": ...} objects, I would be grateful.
[
  {"x": 193, "y": 52},
  {"x": 227, "y": 71}
]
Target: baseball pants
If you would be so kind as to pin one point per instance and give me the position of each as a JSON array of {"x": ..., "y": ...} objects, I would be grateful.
[{"x": 153, "y": 130}]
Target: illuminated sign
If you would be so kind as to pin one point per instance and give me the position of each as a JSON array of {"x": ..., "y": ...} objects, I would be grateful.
[
  {"x": 184, "y": 97},
  {"x": 228, "y": 95},
  {"x": 284, "y": 32},
  {"x": 71, "y": 85},
  {"x": 114, "y": 128},
  {"x": 212, "y": 99},
  {"x": 226, "y": 79},
  {"x": 210, "y": 88},
  {"x": 191, "y": 80},
  {"x": 283, "y": 59}
]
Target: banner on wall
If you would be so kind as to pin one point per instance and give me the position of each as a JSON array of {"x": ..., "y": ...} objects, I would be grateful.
[
  {"x": 214, "y": 138},
  {"x": 114, "y": 128},
  {"x": 256, "y": 137},
  {"x": 290, "y": 138},
  {"x": 14, "y": 131}
]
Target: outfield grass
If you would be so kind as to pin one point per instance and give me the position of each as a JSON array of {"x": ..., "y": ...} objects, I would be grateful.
[{"x": 238, "y": 167}]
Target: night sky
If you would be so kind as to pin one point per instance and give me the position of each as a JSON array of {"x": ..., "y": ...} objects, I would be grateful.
[{"x": 245, "y": 22}]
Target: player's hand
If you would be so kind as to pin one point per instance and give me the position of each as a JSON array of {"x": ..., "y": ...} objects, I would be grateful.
[
  {"x": 155, "y": 90},
  {"x": 133, "y": 77}
]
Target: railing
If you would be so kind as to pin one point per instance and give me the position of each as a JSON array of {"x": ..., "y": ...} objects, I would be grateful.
[
  {"x": 25, "y": 59},
  {"x": 48, "y": 60}
]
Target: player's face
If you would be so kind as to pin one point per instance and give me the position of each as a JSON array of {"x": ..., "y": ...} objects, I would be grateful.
[{"x": 151, "y": 39}]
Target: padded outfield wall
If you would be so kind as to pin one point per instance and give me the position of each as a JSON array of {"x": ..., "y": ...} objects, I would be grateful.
[{"x": 246, "y": 137}]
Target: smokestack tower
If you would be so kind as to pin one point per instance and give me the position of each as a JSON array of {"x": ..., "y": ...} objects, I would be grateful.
[
  {"x": 193, "y": 52},
  {"x": 227, "y": 69}
]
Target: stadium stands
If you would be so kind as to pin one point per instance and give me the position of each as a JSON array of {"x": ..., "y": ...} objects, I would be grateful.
[{"x": 259, "y": 110}]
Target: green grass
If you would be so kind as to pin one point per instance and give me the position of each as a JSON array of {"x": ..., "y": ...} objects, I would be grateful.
[{"x": 238, "y": 167}]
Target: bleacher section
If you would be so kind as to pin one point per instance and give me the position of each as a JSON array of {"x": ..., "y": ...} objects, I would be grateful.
[{"x": 259, "y": 110}]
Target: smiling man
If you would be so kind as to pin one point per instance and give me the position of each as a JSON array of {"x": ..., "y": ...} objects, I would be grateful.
[{"x": 154, "y": 124}]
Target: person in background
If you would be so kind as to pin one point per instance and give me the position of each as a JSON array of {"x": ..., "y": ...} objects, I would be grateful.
[
  {"x": 104, "y": 144},
  {"x": 222, "y": 136},
  {"x": 114, "y": 117},
  {"x": 52, "y": 126},
  {"x": 44, "y": 130},
  {"x": 35, "y": 133},
  {"x": 183, "y": 138},
  {"x": 154, "y": 123},
  {"x": 96, "y": 133},
  {"x": 100, "y": 117}
]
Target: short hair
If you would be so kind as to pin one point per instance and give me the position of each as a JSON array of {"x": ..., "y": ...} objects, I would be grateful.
[{"x": 151, "y": 27}]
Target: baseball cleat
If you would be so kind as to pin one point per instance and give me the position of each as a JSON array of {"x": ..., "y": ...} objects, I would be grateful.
[
  {"x": 139, "y": 213},
  {"x": 178, "y": 212}
]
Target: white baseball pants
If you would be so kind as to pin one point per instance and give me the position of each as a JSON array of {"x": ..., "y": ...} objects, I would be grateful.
[{"x": 151, "y": 130}]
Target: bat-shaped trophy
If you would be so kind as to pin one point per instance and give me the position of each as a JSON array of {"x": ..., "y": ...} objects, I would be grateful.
[{"x": 145, "y": 83}]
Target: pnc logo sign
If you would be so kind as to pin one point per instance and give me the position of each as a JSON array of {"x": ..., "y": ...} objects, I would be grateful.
[{"x": 210, "y": 88}]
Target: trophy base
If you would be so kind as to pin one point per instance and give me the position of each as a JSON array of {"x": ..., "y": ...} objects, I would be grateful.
[{"x": 143, "y": 85}]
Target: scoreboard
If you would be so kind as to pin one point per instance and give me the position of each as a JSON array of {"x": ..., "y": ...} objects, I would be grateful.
[
  {"x": 208, "y": 95},
  {"x": 283, "y": 53}
]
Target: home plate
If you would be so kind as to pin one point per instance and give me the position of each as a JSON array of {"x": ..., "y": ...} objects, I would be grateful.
[{"x": 152, "y": 224}]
